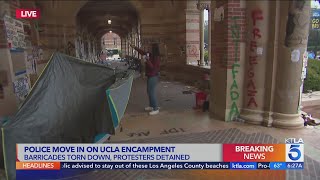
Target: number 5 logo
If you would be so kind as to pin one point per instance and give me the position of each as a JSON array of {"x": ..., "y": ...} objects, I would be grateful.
[{"x": 294, "y": 152}]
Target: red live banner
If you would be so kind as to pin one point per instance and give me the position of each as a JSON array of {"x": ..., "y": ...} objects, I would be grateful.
[{"x": 27, "y": 13}]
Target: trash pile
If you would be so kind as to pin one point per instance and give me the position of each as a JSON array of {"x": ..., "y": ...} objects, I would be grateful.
[{"x": 309, "y": 120}]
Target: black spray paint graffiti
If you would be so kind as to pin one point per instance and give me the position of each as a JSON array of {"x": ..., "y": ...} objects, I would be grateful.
[
  {"x": 234, "y": 91},
  {"x": 172, "y": 131},
  {"x": 139, "y": 134},
  {"x": 163, "y": 132},
  {"x": 297, "y": 19}
]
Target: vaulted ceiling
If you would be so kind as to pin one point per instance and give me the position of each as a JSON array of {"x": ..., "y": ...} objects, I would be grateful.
[{"x": 94, "y": 16}]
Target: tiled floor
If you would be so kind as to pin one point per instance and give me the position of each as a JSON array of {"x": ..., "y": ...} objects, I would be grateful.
[
  {"x": 225, "y": 135},
  {"x": 179, "y": 123}
]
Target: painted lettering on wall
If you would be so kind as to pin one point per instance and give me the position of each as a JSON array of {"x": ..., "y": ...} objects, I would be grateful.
[
  {"x": 256, "y": 15},
  {"x": 192, "y": 51},
  {"x": 234, "y": 90}
]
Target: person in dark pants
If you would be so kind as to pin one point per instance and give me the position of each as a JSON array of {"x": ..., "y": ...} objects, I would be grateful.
[{"x": 152, "y": 61}]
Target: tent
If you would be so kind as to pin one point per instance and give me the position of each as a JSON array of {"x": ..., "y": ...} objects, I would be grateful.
[{"x": 71, "y": 102}]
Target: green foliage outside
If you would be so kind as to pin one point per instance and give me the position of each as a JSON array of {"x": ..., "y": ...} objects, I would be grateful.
[
  {"x": 312, "y": 82},
  {"x": 206, "y": 55}
]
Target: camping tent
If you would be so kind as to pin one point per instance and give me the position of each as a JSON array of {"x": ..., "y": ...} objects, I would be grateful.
[{"x": 71, "y": 102}]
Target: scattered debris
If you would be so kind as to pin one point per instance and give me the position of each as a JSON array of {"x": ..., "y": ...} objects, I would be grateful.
[{"x": 308, "y": 120}]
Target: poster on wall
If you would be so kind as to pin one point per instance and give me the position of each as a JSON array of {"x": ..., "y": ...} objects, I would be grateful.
[
  {"x": 31, "y": 64},
  {"x": 14, "y": 33},
  {"x": 21, "y": 88}
]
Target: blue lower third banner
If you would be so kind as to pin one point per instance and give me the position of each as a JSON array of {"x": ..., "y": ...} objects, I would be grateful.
[
  {"x": 145, "y": 165},
  {"x": 243, "y": 165},
  {"x": 77, "y": 169}
]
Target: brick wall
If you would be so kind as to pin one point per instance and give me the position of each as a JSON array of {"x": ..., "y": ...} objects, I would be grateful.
[{"x": 234, "y": 22}]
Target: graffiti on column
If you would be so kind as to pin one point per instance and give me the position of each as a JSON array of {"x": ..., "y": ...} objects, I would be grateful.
[
  {"x": 297, "y": 20},
  {"x": 256, "y": 34},
  {"x": 192, "y": 51},
  {"x": 234, "y": 91}
]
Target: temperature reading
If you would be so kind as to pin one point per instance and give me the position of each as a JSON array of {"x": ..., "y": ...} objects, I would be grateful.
[{"x": 277, "y": 165}]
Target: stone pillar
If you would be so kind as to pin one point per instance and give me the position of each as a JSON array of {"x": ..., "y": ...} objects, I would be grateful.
[
  {"x": 256, "y": 60},
  {"x": 209, "y": 31},
  {"x": 202, "y": 7},
  {"x": 293, "y": 37},
  {"x": 201, "y": 24}
]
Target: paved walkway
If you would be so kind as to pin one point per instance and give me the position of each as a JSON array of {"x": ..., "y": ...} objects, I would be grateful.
[
  {"x": 311, "y": 103},
  {"x": 179, "y": 123}
]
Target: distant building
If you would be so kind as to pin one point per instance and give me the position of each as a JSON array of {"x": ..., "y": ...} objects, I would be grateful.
[{"x": 111, "y": 41}]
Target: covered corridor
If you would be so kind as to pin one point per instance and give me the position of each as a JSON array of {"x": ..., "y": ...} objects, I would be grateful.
[{"x": 257, "y": 54}]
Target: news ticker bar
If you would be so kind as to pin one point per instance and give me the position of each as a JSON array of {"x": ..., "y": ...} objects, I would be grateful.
[{"x": 159, "y": 165}]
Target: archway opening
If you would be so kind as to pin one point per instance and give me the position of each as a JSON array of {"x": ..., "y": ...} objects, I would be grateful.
[{"x": 115, "y": 21}]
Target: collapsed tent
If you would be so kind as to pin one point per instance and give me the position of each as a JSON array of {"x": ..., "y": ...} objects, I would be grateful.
[{"x": 71, "y": 102}]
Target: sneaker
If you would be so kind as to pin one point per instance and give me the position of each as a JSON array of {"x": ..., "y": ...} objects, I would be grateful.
[
  {"x": 154, "y": 112},
  {"x": 148, "y": 109}
]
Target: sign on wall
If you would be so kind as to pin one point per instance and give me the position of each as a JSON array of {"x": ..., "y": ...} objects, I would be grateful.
[
  {"x": 21, "y": 88},
  {"x": 14, "y": 33},
  {"x": 31, "y": 64}
]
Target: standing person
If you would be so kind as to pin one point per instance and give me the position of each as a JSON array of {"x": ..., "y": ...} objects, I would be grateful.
[{"x": 152, "y": 64}]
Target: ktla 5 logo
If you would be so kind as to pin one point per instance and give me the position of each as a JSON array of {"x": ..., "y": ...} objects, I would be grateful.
[
  {"x": 294, "y": 153},
  {"x": 27, "y": 13}
]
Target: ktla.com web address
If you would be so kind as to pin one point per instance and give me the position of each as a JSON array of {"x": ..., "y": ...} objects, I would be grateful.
[{"x": 242, "y": 166}]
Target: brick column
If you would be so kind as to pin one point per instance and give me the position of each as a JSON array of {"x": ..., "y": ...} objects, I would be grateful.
[
  {"x": 293, "y": 37},
  {"x": 227, "y": 58},
  {"x": 192, "y": 33}
]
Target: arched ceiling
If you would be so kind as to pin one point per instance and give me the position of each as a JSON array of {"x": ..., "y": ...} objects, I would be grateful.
[{"x": 94, "y": 16}]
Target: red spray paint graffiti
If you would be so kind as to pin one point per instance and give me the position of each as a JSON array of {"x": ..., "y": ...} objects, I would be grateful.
[
  {"x": 256, "y": 34},
  {"x": 192, "y": 51}
]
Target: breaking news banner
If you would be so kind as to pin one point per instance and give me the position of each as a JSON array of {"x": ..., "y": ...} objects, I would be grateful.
[{"x": 41, "y": 161}]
